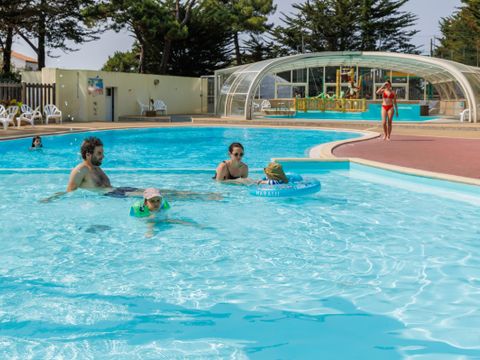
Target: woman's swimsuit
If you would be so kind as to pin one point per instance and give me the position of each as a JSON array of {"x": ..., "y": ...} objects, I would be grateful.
[
  {"x": 229, "y": 175},
  {"x": 389, "y": 96}
]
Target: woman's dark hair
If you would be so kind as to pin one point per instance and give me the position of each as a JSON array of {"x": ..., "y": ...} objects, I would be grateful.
[
  {"x": 88, "y": 146},
  {"x": 35, "y": 138},
  {"x": 234, "y": 145},
  {"x": 388, "y": 81}
]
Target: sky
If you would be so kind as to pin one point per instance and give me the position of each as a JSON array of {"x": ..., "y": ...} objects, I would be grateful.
[{"x": 94, "y": 54}]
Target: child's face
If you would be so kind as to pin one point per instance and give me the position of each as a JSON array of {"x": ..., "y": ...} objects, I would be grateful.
[
  {"x": 154, "y": 203},
  {"x": 37, "y": 142}
]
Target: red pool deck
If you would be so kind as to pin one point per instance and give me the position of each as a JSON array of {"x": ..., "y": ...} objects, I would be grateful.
[{"x": 453, "y": 156}]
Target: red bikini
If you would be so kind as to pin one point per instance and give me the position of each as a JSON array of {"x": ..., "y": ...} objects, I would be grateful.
[{"x": 389, "y": 96}]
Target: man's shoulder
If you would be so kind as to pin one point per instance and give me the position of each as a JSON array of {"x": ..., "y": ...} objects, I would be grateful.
[{"x": 80, "y": 168}]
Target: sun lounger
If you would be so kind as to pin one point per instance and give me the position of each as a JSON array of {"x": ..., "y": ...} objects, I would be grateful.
[
  {"x": 52, "y": 112},
  {"x": 29, "y": 115},
  {"x": 7, "y": 117}
]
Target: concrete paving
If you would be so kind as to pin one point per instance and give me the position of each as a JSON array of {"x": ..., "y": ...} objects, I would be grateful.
[{"x": 448, "y": 155}]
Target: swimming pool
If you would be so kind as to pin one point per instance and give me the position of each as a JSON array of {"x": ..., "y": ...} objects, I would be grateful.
[
  {"x": 406, "y": 112},
  {"x": 378, "y": 264}
]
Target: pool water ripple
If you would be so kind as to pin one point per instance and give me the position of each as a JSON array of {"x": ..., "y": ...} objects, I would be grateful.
[{"x": 255, "y": 278}]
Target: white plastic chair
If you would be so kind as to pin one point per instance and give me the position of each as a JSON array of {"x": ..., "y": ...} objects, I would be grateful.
[
  {"x": 8, "y": 116},
  {"x": 265, "y": 105},
  {"x": 52, "y": 112},
  {"x": 159, "y": 105},
  {"x": 465, "y": 115},
  {"x": 29, "y": 115},
  {"x": 143, "y": 107}
]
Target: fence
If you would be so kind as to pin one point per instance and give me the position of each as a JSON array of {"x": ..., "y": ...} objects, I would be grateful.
[
  {"x": 10, "y": 91},
  {"x": 31, "y": 94}
]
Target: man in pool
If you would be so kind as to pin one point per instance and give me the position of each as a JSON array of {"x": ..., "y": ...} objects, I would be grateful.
[{"x": 89, "y": 175}]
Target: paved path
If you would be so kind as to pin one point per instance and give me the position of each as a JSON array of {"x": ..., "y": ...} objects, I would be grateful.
[{"x": 452, "y": 156}]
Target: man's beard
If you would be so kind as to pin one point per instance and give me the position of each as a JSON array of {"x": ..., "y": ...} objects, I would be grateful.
[{"x": 96, "y": 162}]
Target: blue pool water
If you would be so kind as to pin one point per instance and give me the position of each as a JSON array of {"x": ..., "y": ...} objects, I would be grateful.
[
  {"x": 377, "y": 265},
  {"x": 406, "y": 112},
  {"x": 185, "y": 147}
]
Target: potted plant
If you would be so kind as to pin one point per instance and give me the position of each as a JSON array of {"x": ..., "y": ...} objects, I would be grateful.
[{"x": 150, "y": 112}]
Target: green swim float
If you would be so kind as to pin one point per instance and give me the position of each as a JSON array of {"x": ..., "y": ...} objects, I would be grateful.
[{"x": 139, "y": 209}]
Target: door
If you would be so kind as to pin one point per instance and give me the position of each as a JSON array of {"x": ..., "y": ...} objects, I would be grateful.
[{"x": 110, "y": 104}]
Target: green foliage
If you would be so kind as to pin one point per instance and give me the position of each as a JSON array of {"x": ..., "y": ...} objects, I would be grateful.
[
  {"x": 11, "y": 77},
  {"x": 12, "y": 102},
  {"x": 246, "y": 16},
  {"x": 461, "y": 36},
  {"x": 258, "y": 49},
  {"x": 197, "y": 47},
  {"x": 339, "y": 25},
  {"x": 122, "y": 62},
  {"x": 473, "y": 6},
  {"x": 206, "y": 48}
]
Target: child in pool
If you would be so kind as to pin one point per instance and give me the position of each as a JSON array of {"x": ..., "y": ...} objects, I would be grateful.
[
  {"x": 36, "y": 143},
  {"x": 153, "y": 205},
  {"x": 274, "y": 175},
  {"x": 153, "y": 202}
]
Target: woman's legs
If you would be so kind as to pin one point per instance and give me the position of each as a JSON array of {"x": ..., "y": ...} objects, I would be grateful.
[
  {"x": 390, "y": 121},
  {"x": 384, "y": 123}
]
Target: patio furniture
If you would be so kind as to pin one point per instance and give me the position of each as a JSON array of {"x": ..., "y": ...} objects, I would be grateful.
[
  {"x": 464, "y": 115},
  {"x": 7, "y": 117},
  {"x": 159, "y": 106},
  {"x": 143, "y": 108},
  {"x": 29, "y": 115},
  {"x": 265, "y": 105},
  {"x": 52, "y": 112}
]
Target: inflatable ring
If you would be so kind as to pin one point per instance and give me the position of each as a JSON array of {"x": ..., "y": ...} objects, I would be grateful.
[{"x": 297, "y": 186}]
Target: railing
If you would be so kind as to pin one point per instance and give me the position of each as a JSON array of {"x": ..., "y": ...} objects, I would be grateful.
[
  {"x": 343, "y": 105},
  {"x": 31, "y": 94}
]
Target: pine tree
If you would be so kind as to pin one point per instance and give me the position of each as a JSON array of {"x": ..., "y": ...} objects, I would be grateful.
[
  {"x": 55, "y": 23},
  {"x": 123, "y": 61},
  {"x": 14, "y": 16},
  {"x": 339, "y": 25},
  {"x": 460, "y": 39},
  {"x": 246, "y": 16},
  {"x": 326, "y": 25}
]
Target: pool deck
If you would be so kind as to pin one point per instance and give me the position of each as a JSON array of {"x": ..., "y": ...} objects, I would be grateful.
[{"x": 450, "y": 148}]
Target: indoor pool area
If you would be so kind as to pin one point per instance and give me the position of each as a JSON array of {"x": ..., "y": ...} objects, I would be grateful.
[
  {"x": 377, "y": 264},
  {"x": 409, "y": 113}
]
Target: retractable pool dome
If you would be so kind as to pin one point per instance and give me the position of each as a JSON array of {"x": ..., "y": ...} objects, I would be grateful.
[{"x": 236, "y": 86}]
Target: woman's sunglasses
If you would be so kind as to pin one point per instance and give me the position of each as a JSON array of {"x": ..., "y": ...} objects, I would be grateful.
[{"x": 238, "y": 154}]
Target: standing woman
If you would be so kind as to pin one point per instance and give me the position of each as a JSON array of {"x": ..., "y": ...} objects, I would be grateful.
[
  {"x": 234, "y": 168},
  {"x": 389, "y": 102}
]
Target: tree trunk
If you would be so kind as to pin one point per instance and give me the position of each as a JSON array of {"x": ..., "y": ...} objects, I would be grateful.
[
  {"x": 141, "y": 60},
  {"x": 7, "y": 52},
  {"x": 42, "y": 34},
  {"x": 167, "y": 48},
  {"x": 238, "y": 55}
]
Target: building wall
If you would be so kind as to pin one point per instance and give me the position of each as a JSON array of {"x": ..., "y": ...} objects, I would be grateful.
[
  {"x": 32, "y": 77},
  {"x": 182, "y": 95}
]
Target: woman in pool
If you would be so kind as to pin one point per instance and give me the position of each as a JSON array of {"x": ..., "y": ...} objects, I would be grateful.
[
  {"x": 233, "y": 169},
  {"x": 389, "y": 103}
]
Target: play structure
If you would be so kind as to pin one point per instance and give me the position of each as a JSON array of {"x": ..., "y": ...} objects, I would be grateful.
[{"x": 344, "y": 101}]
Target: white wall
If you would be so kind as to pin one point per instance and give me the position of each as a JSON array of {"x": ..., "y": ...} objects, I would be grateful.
[{"x": 182, "y": 95}]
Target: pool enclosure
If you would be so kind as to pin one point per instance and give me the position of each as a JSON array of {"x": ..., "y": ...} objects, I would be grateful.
[{"x": 450, "y": 86}]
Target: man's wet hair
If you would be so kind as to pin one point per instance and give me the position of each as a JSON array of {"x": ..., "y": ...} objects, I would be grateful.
[{"x": 88, "y": 146}]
